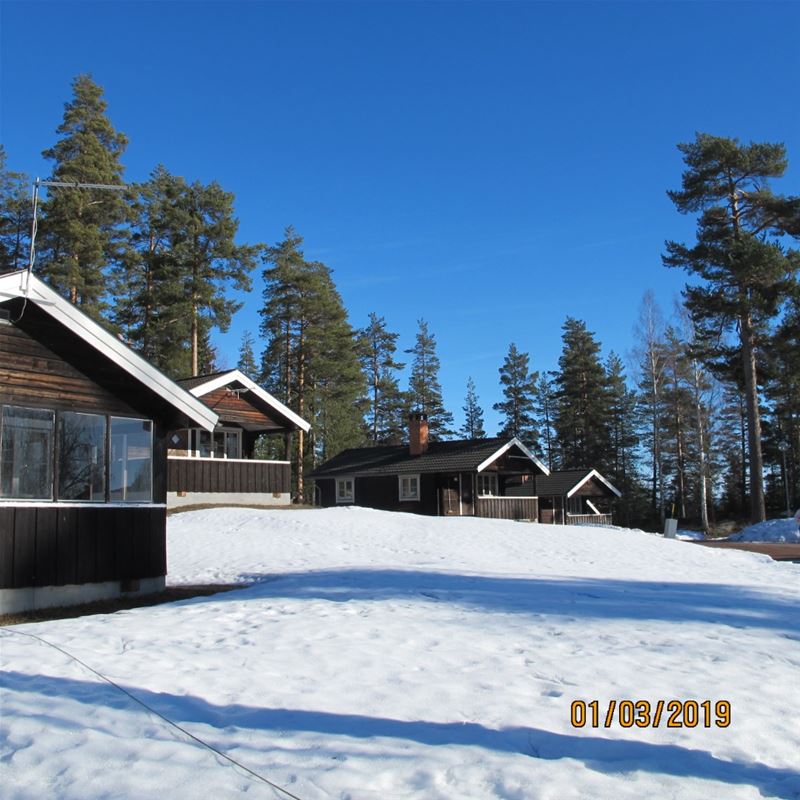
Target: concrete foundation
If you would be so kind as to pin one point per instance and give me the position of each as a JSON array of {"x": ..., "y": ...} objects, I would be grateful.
[
  {"x": 176, "y": 500},
  {"x": 32, "y": 598}
]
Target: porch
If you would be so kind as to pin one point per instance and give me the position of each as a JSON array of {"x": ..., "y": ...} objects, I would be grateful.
[
  {"x": 519, "y": 508},
  {"x": 189, "y": 476}
]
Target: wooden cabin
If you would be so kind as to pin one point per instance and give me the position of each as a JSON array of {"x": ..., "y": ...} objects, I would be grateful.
[
  {"x": 576, "y": 497},
  {"x": 84, "y": 423},
  {"x": 222, "y": 466},
  {"x": 469, "y": 477}
]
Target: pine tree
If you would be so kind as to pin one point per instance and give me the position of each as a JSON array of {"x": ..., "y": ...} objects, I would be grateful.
[
  {"x": 386, "y": 406},
  {"x": 545, "y": 404},
  {"x": 518, "y": 406},
  {"x": 15, "y": 217},
  {"x": 80, "y": 230},
  {"x": 623, "y": 438},
  {"x": 424, "y": 387},
  {"x": 310, "y": 360},
  {"x": 582, "y": 404},
  {"x": 649, "y": 355},
  {"x": 473, "y": 414},
  {"x": 247, "y": 358},
  {"x": 738, "y": 256}
]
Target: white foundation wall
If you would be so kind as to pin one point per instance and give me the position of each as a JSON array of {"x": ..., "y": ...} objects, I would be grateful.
[
  {"x": 32, "y": 598},
  {"x": 175, "y": 500}
]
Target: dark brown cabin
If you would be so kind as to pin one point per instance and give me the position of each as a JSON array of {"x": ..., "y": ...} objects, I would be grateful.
[
  {"x": 223, "y": 465},
  {"x": 469, "y": 477},
  {"x": 83, "y": 454}
]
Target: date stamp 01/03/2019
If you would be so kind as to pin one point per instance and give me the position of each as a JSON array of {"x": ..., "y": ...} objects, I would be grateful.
[{"x": 647, "y": 714}]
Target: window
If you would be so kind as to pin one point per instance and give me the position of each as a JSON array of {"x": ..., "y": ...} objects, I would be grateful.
[
  {"x": 220, "y": 444},
  {"x": 409, "y": 487},
  {"x": 344, "y": 490},
  {"x": 81, "y": 468},
  {"x": 26, "y": 453},
  {"x": 131, "y": 462},
  {"x": 487, "y": 484}
]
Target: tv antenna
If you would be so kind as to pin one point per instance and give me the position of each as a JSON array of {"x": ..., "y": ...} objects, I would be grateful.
[{"x": 114, "y": 187}]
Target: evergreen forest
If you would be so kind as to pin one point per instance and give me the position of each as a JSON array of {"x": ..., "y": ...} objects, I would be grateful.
[{"x": 700, "y": 421}]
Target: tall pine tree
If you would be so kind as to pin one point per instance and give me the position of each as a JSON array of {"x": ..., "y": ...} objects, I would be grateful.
[
  {"x": 15, "y": 217},
  {"x": 582, "y": 404},
  {"x": 518, "y": 406},
  {"x": 386, "y": 406},
  {"x": 424, "y": 387},
  {"x": 247, "y": 357},
  {"x": 738, "y": 255},
  {"x": 81, "y": 231},
  {"x": 473, "y": 414}
]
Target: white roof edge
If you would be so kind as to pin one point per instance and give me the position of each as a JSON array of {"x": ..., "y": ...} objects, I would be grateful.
[
  {"x": 218, "y": 381},
  {"x": 505, "y": 448},
  {"x": 594, "y": 474},
  {"x": 12, "y": 285}
]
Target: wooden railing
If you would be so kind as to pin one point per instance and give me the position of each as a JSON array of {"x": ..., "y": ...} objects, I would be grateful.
[
  {"x": 507, "y": 507},
  {"x": 588, "y": 519},
  {"x": 227, "y": 475}
]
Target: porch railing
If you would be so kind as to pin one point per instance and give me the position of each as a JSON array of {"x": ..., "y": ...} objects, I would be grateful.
[
  {"x": 228, "y": 475},
  {"x": 507, "y": 507},
  {"x": 588, "y": 519}
]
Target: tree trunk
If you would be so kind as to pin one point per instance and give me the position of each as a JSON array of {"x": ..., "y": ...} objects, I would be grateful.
[
  {"x": 755, "y": 460},
  {"x": 701, "y": 446}
]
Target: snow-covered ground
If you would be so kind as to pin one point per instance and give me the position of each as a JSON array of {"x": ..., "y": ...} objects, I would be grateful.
[
  {"x": 393, "y": 656},
  {"x": 773, "y": 530}
]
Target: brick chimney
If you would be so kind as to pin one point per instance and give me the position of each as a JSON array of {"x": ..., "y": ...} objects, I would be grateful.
[{"x": 417, "y": 433}]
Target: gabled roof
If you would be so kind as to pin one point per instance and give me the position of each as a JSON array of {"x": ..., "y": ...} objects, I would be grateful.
[
  {"x": 566, "y": 482},
  {"x": 463, "y": 455},
  {"x": 203, "y": 384},
  {"x": 24, "y": 285}
]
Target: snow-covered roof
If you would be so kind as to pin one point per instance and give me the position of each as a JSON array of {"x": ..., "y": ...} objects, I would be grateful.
[{"x": 14, "y": 285}]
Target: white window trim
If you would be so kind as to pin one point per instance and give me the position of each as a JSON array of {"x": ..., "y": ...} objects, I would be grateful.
[
  {"x": 400, "y": 479},
  {"x": 346, "y": 498},
  {"x": 194, "y": 433},
  {"x": 483, "y": 475}
]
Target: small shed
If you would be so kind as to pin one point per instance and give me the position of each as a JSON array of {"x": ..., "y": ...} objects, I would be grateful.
[
  {"x": 575, "y": 497},
  {"x": 224, "y": 465},
  {"x": 83, "y": 454}
]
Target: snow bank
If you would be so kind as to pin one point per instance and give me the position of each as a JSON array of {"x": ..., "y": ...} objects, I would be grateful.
[
  {"x": 386, "y": 656},
  {"x": 773, "y": 530}
]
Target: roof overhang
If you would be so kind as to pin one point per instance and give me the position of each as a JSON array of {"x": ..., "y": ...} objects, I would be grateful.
[
  {"x": 505, "y": 448},
  {"x": 594, "y": 474},
  {"x": 24, "y": 285},
  {"x": 236, "y": 376}
]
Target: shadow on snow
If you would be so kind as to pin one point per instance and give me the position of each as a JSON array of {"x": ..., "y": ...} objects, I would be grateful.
[{"x": 608, "y": 756}]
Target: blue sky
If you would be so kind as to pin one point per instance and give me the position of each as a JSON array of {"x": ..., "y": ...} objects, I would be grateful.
[{"x": 492, "y": 168}]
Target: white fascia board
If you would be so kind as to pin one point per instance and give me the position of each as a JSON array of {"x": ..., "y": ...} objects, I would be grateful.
[
  {"x": 218, "y": 381},
  {"x": 14, "y": 285},
  {"x": 594, "y": 474},
  {"x": 505, "y": 448}
]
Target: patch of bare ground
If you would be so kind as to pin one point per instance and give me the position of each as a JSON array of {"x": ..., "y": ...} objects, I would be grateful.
[{"x": 169, "y": 595}]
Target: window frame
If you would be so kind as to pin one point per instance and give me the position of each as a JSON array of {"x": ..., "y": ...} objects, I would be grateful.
[
  {"x": 126, "y": 502},
  {"x": 346, "y": 498},
  {"x": 51, "y": 454},
  {"x": 404, "y": 498},
  {"x": 59, "y": 414},
  {"x": 193, "y": 443},
  {"x": 493, "y": 478}
]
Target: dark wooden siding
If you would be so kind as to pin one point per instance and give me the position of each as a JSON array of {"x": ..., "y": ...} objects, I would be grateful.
[
  {"x": 58, "y": 546},
  {"x": 33, "y": 375},
  {"x": 221, "y": 475},
  {"x": 235, "y": 408}
]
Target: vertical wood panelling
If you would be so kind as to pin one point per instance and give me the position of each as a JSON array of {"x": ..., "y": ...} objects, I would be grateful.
[
  {"x": 6, "y": 547},
  {"x": 233, "y": 477},
  {"x": 24, "y": 548},
  {"x": 67, "y": 547},
  {"x": 46, "y": 546}
]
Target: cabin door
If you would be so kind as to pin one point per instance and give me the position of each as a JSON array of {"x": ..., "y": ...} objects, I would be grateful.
[{"x": 449, "y": 496}]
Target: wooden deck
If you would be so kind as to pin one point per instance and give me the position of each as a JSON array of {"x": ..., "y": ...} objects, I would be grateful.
[
  {"x": 778, "y": 551},
  {"x": 507, "y": 507}
]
